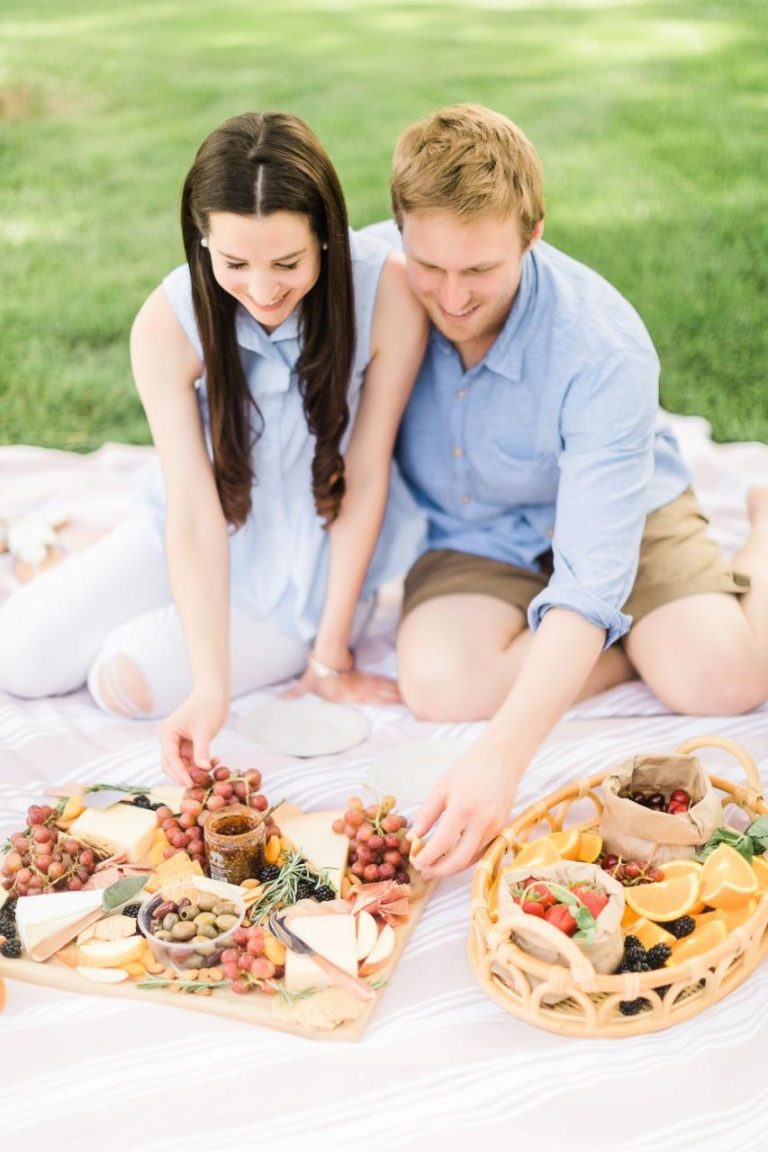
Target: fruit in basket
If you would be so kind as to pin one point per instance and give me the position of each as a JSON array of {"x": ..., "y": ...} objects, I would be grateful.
[
  {"x": 733, "y": 919},
  {"x": 559, "y": 916},
  {"x": 760, "y": 868},
  {"x": 566, "y": 843},
  {"x": 681, "y": 927},
  {"x": 665, "y": 900},
  {"x": 677, "y": 802},
  {"x": 590, "y": 847},
  {"x": 727, "y": 880},
  {"x": 537, "y": 852},
  {"x": 630, "y": 872},
  {"x": 650, "y": 934},
  {"x": 700, "y": 941}
]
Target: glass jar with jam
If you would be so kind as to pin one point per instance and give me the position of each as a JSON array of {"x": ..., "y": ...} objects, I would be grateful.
[{"x": 234, "y": 843}]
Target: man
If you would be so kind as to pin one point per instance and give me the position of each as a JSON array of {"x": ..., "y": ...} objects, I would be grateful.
[{"x": 566, "y": 550}]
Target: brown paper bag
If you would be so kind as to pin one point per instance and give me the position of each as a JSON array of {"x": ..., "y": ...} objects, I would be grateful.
[
  {"x": 606, "y": 949},
  {"x": 637, "y": 833}
]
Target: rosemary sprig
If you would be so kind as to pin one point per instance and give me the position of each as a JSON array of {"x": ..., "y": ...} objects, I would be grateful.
[
  {"x": 288, "y": 997},
  {"x": 283, "y": 890},
  {"x": 164, "y": 981}
]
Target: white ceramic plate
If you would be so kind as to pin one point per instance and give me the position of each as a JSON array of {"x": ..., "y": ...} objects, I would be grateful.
[
  {"x": 308, "y": 726},
  {"x": 411, "y": 771}
]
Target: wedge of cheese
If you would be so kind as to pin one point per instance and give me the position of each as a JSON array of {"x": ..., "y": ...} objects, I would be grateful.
[
  {"x": 121, "y": 828},
  {"x": 169, "y": 794},
  {"x": 334, "y": 937},
  {"x": 313, "y": 836},
  {"x": 39, "y": 917}
]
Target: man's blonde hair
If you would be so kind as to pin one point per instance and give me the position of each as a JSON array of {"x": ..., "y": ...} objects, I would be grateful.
[{"x": 470, "y": 161}]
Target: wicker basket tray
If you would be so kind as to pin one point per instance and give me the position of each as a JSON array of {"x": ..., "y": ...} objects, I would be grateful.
[{"x": 590, "y": 1005}]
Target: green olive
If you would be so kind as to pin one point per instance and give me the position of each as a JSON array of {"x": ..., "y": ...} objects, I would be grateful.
[
  {"x": 189, "y": 912},
  {"x": 203, "y": 947},
  {"x": 223, "y": 908},
  {"x": 226, "y": 921},
  {"x": 170, "y": 920},
  {"x": 204, "y": 918},
  {"x": 162, "y": 934},
  {"x": 183, "y": 930},
  {"x": 206, "y": 901},
  {"x": 207, "y": 930}
]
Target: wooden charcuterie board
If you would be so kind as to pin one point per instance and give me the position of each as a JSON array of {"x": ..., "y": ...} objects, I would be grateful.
[{"x": 312, "y": 1014}]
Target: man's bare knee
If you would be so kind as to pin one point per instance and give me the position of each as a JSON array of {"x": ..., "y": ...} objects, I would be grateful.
[{"x": 123, "y": 689}]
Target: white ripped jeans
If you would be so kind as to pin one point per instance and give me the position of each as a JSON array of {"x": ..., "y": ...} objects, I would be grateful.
[{"x": 75, "y": 624}]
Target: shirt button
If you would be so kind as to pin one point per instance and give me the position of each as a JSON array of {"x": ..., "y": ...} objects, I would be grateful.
[
  {"x": 461, "y": 393},
  {"x": 457, "y": 452},
  {"x": 466, "y": 499}
]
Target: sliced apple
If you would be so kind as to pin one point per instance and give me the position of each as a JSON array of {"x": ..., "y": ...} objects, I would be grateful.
[
  {"x": 102, "y": 975},
  {"x": 381, "y": 951},
  {"x": 367, "y": 934}
]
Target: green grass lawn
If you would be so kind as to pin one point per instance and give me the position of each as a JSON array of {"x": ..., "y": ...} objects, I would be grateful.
[{"x": 650, "y": 118}]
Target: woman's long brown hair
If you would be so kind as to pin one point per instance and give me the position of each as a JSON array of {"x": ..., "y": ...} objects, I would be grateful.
[{"x": 254, "y": 165}]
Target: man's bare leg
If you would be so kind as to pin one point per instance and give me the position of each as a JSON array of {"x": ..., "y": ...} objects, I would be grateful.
[{"x": 459, "y": 655}]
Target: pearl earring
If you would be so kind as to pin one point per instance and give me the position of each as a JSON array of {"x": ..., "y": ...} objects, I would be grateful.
[
  {"x": 203, "y": 242},
  {"x": 324, "y": 247}
]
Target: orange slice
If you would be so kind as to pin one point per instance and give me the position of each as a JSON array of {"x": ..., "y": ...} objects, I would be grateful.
[
  {"x": 733, "y": 919},
  {"x": 760, "y": 869},
  {"x": 566, "y": 843},
  {"x": 629, "y": 918},
  {"x": 666, "y": 900},
  {"x": 700, "y": 941},
  {"x": 674, "y": 868},
  {"x": 541, "y": 851},
  {"x": 649, "y": 933},
  {"x": 590, "y": 847},
  {"x": 727, "y": 880}
]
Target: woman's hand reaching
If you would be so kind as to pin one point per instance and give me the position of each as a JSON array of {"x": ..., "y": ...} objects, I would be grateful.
[{"x": 186, "y": 735}]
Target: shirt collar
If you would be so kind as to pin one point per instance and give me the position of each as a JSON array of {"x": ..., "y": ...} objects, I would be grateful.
[
  {"x": 251, "y": 335},
  {"x": 505, "y": 356}
]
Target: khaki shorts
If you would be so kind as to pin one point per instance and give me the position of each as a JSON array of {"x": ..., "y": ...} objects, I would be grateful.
[{"x": 677, "y": 558}]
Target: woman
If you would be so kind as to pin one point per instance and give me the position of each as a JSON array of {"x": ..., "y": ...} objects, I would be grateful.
[{"x": 273, "y": 367}]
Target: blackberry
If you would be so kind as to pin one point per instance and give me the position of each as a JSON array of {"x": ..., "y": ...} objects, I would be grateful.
[
  {"x": 143, "y": 801},
  {"x": 324, "y": 892},
  {"x": 11, "y": 949},
  {"x": 305, "y": 889},
  {"x": 632, "y": 946},
  {"x": 683, "y": 926},
  {"x": 658, "y": 955},
  {"x": 632, "y": 1007},
  {"x": 268, "y": 873},
  {"x": 132, "y": 910}
]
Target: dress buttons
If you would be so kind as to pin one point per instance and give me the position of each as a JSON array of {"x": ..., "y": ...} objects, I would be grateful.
[{"x": 457, "y": 452}]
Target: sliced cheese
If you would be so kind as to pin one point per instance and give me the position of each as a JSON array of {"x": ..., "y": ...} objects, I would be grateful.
[
  {"x": 38, "y": 917},
  {"x": 111, "y": 953},
  {"x": 333, "y": 937},
  {"x": 169, "y": 794},
  {"x": 315, "y": 839},
  {"x": 122, "y": 828}
]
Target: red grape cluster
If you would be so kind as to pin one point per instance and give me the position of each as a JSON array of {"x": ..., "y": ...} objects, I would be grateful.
[
  {"x": 245, "y": 963},
  {"x": 211, "y": 790},
  {"x": 630, "y": 872},
  {"x": 679, "y": 801},
  {"x": 379, "y": 845},
  {"x": 42, "y": 859}
]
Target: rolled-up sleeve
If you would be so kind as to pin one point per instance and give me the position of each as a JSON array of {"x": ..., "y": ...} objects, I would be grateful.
[{"x": 607, "y": 428}]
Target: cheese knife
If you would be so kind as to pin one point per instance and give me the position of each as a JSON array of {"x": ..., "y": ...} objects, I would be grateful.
[{"x": 112, "y": 898}]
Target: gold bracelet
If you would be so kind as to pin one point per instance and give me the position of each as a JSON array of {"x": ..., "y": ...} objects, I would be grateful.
[{"x": 323, "y": 671}]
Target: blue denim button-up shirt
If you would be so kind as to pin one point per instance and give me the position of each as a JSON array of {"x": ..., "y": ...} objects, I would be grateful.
[{"x": 552, "y": 441}]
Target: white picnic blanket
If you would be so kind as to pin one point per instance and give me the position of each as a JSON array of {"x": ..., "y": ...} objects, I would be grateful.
[{"x": 441, "y": 1065}]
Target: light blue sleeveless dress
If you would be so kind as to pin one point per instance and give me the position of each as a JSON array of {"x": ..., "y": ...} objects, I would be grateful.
[{"x": 279, "y": 558}]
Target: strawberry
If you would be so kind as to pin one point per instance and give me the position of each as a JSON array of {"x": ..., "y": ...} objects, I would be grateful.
[
  {"x": 593, "y": 900},
  {"x": 560, "y": 917},
  {"x": 542, "y": 893},
  {"x": 534, "y": 908}
]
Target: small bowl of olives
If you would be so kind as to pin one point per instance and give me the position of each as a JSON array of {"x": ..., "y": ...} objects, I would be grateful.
[{"x": 189, "y": 923}]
